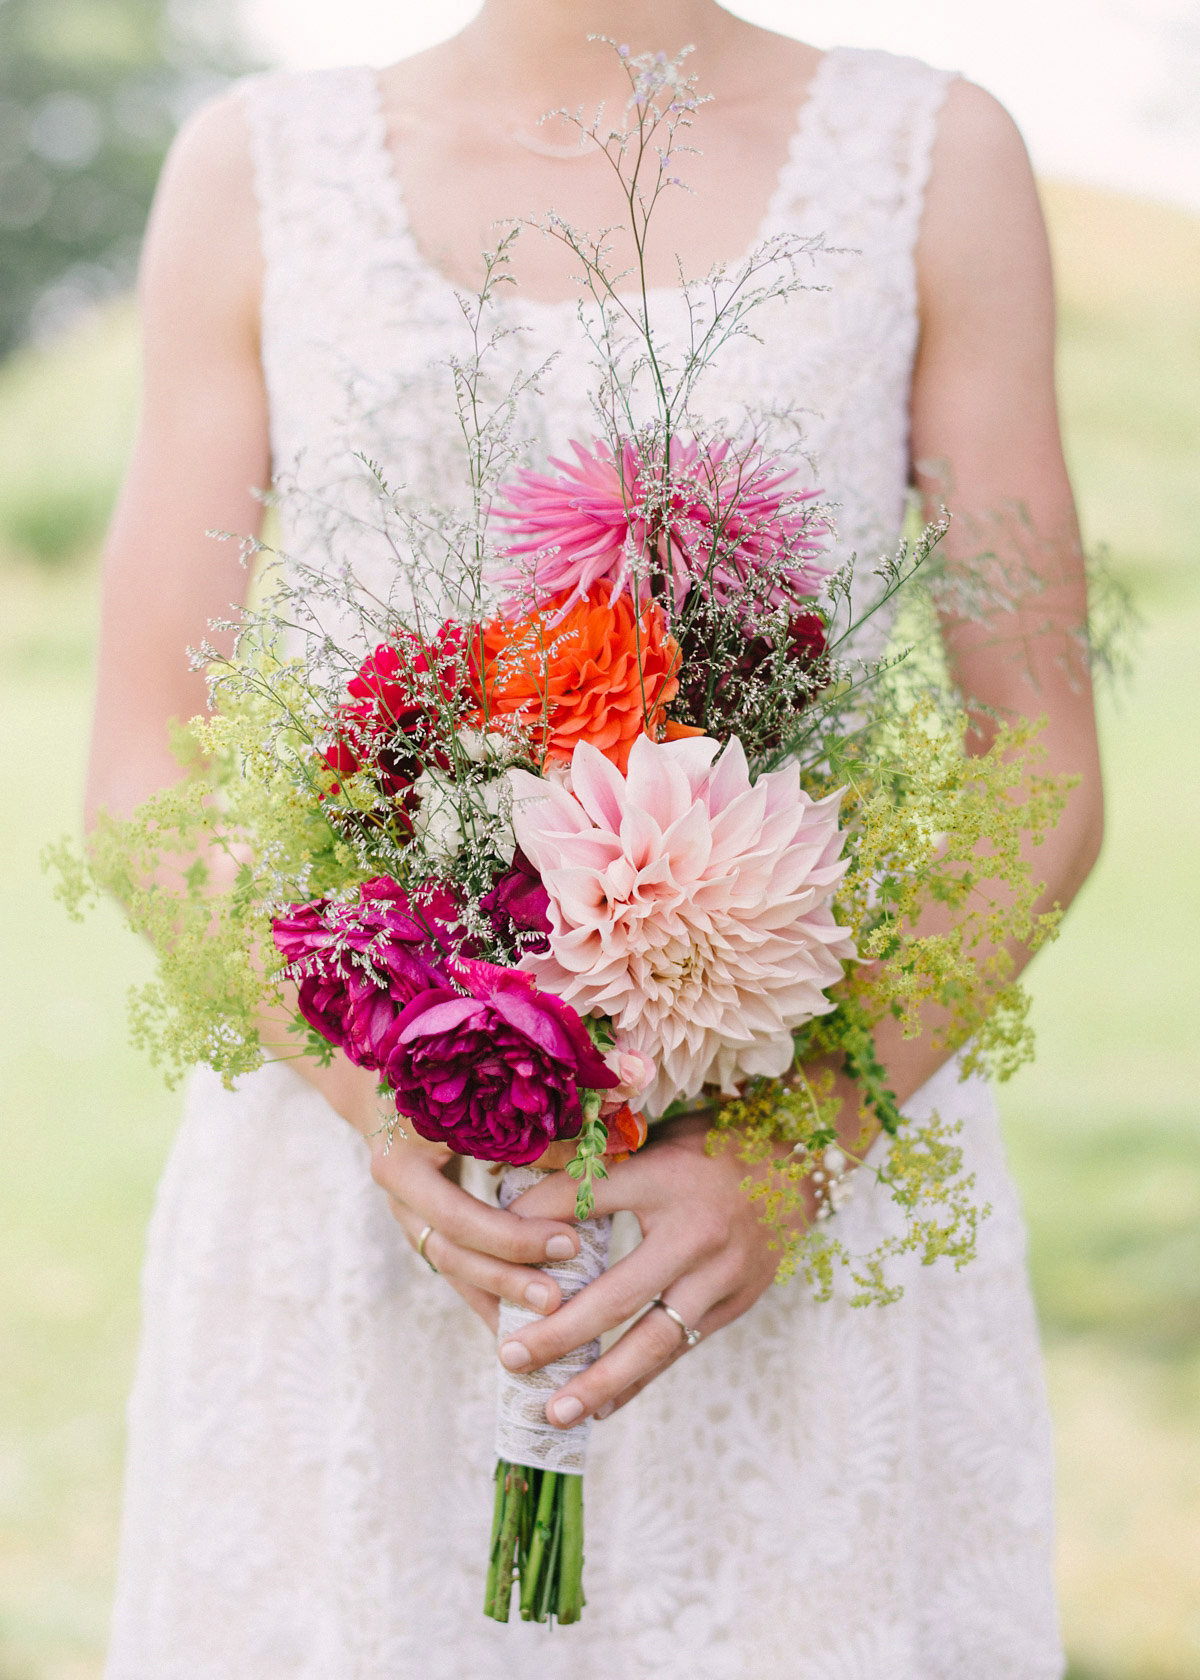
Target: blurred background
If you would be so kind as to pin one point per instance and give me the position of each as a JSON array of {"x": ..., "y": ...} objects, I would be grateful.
[{"x": 1104, "y": 1131}]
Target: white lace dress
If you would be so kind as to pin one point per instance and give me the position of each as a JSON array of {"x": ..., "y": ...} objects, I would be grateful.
[{"x": 818, "y": 1492}]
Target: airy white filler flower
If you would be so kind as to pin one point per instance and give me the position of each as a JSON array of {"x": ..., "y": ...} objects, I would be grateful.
[{"x": 689, "y": 905}]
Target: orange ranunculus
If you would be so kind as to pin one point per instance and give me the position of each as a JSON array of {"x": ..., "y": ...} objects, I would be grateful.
[{"x": 604, "y": 673}]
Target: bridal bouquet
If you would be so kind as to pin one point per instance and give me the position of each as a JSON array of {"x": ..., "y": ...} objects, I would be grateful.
[{"x": 597, "y": 816}]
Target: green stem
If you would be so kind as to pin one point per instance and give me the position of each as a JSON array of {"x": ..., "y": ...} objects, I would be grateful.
[
  {"x": 570, "y": 1587},
  {"x": 515, "y": 1488},
  {"x": 529, "y": 1504},
  {"x": 537, "y": 1539},
  {"x": 535, "y": 1555},
  {"x": 494, "y": 1553},
  {"x": 548, "y": 1596}
]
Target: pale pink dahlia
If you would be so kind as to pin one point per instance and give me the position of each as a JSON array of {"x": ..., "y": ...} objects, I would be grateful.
[
  {"x": 717, "y": 519},
  {"x": 688, "y": 905}
]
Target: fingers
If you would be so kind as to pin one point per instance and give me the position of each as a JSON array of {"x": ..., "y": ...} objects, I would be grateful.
[
  {"x": 715, "y": 1319},
  {"x": 616, "y": 1295},
  {"x": 670, "y": 1171},
  {"x": 647, "y": 1348},
  {"x": 554, "y": 1197},
  {"x": 486, "y": 1306},
  {"x": 417, "y": 1182},
  {"x": 631, "y": 1393},
  {"x": 476, "y": 1274}
]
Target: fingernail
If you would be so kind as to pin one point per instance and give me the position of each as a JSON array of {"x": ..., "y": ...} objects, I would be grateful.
[
  {"x": 567, "y": 1409},
  {"x": 560, "y": 1248},
  {"x": 538, "y": 1296},
  {"x": 514, "y": 1356},
  {"x": 606, "y": 1410}
]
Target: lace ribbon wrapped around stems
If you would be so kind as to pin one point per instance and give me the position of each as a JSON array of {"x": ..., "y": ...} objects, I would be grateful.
[
  {"x": 537, "y": 1533},
  {"x": 524, "y": 1435}
]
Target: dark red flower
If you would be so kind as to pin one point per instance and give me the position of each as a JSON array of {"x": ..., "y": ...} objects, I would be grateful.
[
  {"x": 714, "y": 703},
  {"x": 807, "y": 638},
  {"x": 518, "y": 907},
  {"x": 495, "y": 1069}
]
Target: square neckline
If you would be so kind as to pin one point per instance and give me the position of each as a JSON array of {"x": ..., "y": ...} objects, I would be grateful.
[{"x": 401, "y": 228}]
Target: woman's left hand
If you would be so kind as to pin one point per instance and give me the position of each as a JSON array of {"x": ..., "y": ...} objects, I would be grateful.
[{"x": 704, "y": 1249}]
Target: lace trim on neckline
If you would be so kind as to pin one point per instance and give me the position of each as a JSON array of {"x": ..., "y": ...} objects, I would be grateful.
[{"x": 787, "y": 188}]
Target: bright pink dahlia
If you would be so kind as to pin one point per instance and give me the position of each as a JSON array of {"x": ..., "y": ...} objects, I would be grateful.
[
  {"x": 495, "y": 1069},
  {"x": 689, "y": 905},
  {"x": 721, "y": 519}
]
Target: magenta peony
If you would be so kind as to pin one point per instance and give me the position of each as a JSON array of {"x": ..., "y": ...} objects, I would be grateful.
[
  {"x": 723, "y": 519},
  {"x": 687, "y": 904},
  {"x": 495, "y": 1073},
  {"x": 357, "y": 965}
]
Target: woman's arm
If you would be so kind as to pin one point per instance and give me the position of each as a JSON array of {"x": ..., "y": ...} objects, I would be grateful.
[
  {"x": 985, "y": 438},
  {"x": 202, "y": 450},
  {"x": 986, "y": 444}
]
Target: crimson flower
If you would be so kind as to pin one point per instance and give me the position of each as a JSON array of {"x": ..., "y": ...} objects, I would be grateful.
[
  {"x": 391, "y": 723},
  {"x": 517, "y": 906}
]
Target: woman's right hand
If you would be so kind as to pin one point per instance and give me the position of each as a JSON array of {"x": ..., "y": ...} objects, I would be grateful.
[{"x": 483, "y": 1252}]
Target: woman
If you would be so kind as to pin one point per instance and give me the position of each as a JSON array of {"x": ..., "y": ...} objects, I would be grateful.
[{"x": 818, "y": 1490}]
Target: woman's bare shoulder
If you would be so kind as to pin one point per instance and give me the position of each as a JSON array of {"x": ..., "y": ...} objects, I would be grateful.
[
  {"x": 975, "y": 127},
  {"x": 204, "y": 225},
  {"x": 211, "y": 156},
  {"x": 982, "y": 224}
]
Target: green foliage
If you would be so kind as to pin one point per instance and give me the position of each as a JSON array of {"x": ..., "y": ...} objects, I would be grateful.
[
  {"x": 588, "y": 1162},
  {"x": 781, "y": 1128},
  {"x": 932, "y": 827},
  {"x": 200, "y": 869},
  {"x": 848, "y": 1030},
  {"x": 927, "y": 826}
]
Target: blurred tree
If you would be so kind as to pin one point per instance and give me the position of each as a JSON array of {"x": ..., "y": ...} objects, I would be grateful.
[{"x": 90, "y": 93}]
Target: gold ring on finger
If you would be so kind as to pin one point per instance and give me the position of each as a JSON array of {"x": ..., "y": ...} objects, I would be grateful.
[
  {"x": 690, "y": 1336},
  {"x": 421, "y": 1241}
]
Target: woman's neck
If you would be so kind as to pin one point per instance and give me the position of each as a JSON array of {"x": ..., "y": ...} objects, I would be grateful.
[{"x": 538, "y": 52}]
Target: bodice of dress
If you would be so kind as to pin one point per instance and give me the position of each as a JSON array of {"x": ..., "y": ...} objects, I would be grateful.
[{"x": 359, "y": 328}]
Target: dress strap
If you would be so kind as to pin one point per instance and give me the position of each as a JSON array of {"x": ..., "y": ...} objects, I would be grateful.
[
  {"x": 318, "y": 165},
  {"x": 320, "y": 157},
  {"x": 861, "y": 156},
  {"x": 337, "y": 267},
  {"x": 326, "y": 213}
]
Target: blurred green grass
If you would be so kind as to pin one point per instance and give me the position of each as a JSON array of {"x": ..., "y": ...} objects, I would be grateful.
[
  {"x": 65, "y": 424},
  {"x": 1103, "y": 1130}
]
